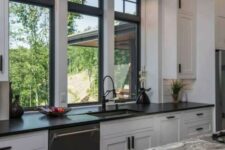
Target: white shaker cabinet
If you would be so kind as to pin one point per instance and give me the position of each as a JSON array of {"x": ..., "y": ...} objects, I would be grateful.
[
  {"x": 220, "y": 11},
  {"x": 116, "y": 143},
  {"x": 143, "y": 140},
  {"x": 4, "y": 40},
  {"x": 28, "y": 141},
  {"x": 186, "y": 7},
  {"x": 169, "y": 129},
  {"x": 220, "y": 24},
  {"x": 220, "y": 32},
  {"x": 128, "y": 134},
  {"x": 186, "y": 48},
  {"x": 179, "y": 39},
  {"x": 139, "y": 140}
]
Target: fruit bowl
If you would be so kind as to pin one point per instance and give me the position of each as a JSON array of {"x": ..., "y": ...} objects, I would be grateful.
[{"x": 54, "y": 111}]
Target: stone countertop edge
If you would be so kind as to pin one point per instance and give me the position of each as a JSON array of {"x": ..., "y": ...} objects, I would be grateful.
[{"x": 32, "y": 122}]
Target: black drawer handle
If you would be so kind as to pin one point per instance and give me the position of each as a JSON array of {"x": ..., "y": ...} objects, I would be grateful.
[
  {"x": 199, "y": 129},
  {"x": 128, "y": 143},
  {"x": 1, "y": 65},
  {"x": 200, "y": 114},
  {"x": 132, "y": 143},
  {"x": 170, "y": 117},
  {"x": 179, "y": 68},
  {"x": 6, "y": 148},
  {"x": 180, "y": 4}
]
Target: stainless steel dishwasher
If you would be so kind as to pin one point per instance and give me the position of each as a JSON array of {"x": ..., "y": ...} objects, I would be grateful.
[{"x": 75, "y": 138}]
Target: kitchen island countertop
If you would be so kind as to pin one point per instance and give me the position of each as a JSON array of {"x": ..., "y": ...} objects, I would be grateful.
[{"x": 203, "y": 142}]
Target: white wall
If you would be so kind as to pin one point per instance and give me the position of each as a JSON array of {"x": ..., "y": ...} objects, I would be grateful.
[
  {"x": 203, "y": 89},
  {"x": 151, "y": 46}
]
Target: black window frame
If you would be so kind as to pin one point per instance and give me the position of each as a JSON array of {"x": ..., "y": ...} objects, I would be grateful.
[
  {"x": 50, "y": 4},
  {"x": 96, "y": 12},
  {"x": 138, "y": 5},
  {"x": 136, "y": 19}
]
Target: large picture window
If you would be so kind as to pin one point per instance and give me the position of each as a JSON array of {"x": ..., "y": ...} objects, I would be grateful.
[
  {"x": 127, "y": 46},
  {"x": 125, "y": 52},
  {"x": 29, "y": 53},
  {"x": 84, "y": 53},
  {"x": 83, "y": 49}
]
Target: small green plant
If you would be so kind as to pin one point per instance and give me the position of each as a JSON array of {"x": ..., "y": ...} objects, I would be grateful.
[{"x": 176, "y": 87}]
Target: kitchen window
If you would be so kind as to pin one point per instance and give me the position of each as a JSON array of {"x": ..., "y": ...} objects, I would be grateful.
[
  {"x": 30, "y": 48},
  {"x": 125, "y": 58},
  {"x": 127, "y": 49},
  {"x": 93, "y": 3},
  {"x": 127, "y": 6},
  {"x": 84, "y": 53}
]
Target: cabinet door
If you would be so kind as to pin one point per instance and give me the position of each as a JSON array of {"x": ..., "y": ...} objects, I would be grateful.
[
  {"x": 186, "y": 6},
  {"x": 117, "y": 143},
  {"x": 220, "y": 33},
  {"x": 4, "y": 40},
  {"x": 186, "y": 47},
  {"x": 144, "y": 140},
  {"x": 220, "y": 5},
  {"x": 169, "y": 129},
  {"x": 29, "y": 141}
]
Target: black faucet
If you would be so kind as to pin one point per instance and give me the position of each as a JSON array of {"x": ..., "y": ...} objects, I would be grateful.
[{"x": 105, "y": 94}]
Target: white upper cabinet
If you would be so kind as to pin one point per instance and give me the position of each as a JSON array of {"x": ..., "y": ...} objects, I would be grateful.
[
  {"x": 186, "y": 47},
  {"x": 220, "y": 24},
  {"x": 186, "y": 6},
  {"x": 179, "y": 39},
  {"x": 220, "y": 11},
  {"x": 220, "y": 33},
  {"x": 4, "y": 40}
]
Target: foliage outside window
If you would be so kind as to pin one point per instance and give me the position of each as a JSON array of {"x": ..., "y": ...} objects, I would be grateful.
[
  {"x": 83, "y": 52},
  {"x": 29, "y": 53},
  {"x": 125, "y": 48}
]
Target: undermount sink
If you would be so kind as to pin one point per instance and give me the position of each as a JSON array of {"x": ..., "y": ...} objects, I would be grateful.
[{"x": 115, "y": 113}]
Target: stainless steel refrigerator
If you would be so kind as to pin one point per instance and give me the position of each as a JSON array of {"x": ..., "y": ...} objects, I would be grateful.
[{"x": 220, "y": 90}]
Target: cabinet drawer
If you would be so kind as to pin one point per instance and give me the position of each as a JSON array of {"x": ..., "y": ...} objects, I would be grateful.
[
  {"x": 30, "y": 141},
  {"x": 201, "y": 114},
  {"x": 123, "y": 126},
  {"x": 196, "y": 129}
]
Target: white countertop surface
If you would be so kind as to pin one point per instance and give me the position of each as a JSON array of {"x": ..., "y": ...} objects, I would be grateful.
[{"x": 200, "y": 143}]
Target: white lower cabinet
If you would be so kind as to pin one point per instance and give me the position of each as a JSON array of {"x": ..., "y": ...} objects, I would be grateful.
[
  {"x": 116, "y": 143},
  {"x": 169, "y": 129},
  {"x": 141, "y": 140},
  {"x": 141, "y": 133},
  {"x": 28, "y": 141}
]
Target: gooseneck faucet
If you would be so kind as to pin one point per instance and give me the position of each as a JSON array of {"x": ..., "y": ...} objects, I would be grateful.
[{"x": 106, "y": 93}]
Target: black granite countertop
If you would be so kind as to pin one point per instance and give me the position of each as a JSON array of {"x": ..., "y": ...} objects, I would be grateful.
[{"x": 31, "y": 122}]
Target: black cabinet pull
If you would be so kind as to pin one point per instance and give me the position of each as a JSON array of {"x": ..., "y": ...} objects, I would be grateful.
[
  {"x": 132, "y": 144},
  {"x": 1, "y": 65},
  {"x": 180, "y": 4},
  {"x": 200, "y": 114},
  {"x": 199, "y": 129},
  {"x": 128, "y": 143},
  {"x": 170, "y": 117},
  {"x": 179, "y": 68},
  {"x": 6, "y": 148}
]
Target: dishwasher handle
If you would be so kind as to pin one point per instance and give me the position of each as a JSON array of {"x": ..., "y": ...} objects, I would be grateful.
[{"x": 56, "y": 136}]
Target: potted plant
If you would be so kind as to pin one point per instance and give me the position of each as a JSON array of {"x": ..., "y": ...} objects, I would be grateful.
[{"x": 176, "y": 87}]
